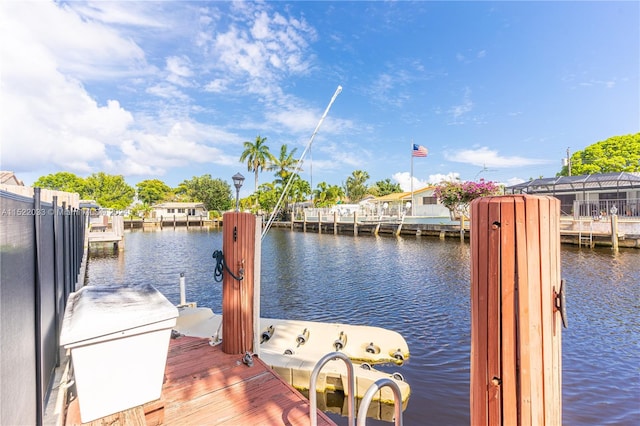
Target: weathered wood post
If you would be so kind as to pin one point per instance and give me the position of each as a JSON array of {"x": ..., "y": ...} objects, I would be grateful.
[
  {"x": 515, "y": 301},
  {"x": 238, "y": 248},
  {"x": 355, "y": 223},
  {"x": 614, "y": 232},
  {"x": 335, "y": 222}
]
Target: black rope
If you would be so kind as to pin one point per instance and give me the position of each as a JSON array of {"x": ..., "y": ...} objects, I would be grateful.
[{"x": 220, "y": 266}]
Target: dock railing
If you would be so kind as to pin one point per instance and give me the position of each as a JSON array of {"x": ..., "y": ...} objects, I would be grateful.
[{"x": 626, "y": 209}]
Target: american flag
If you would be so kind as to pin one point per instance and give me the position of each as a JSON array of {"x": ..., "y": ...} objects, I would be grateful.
[{"x": 419, "y": 151}]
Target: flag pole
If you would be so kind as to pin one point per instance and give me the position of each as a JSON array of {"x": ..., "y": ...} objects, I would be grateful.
[{"x": 411, "y": 176}]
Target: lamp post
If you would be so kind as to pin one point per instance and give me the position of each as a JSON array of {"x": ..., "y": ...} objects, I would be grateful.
[{"x": 238, "y": 179}]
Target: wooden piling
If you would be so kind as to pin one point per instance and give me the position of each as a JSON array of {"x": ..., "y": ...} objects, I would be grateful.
[
  {"x": 515, "y": 327},
  {"x": 238, "y": 248},
  {"x": 355, "y": 224},
  {"x": 614, "y": 232}
]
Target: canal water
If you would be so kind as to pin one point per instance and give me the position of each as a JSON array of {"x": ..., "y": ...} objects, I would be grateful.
[{"x": 419, "y": 287}]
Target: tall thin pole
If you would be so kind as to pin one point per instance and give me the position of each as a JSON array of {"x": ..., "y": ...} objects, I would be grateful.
[
  {"x": 299, "y": 164},
  {"x": 412, "y": 174}
]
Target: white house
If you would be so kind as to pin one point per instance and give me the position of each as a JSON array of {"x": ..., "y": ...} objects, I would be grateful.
[
  {"x": 179, "y": 210},
  {"x": 420, "y": 203}
]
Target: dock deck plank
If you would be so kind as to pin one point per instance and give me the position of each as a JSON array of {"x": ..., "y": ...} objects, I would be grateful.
[{"x": 203, "y": 385}]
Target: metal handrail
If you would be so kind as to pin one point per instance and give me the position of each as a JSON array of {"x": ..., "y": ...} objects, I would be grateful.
[
  {"x": 351, "y": 380},
  {"x": 368, "y": 396}
]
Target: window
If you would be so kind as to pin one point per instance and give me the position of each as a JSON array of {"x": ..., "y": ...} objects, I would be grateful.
[
  {"x": 171, "y": 210},
  {"x": 429, "y": 200}
]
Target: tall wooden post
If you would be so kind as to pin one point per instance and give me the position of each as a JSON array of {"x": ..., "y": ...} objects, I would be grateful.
[
  {"x": 515, "y": 326},
  {"x": 238, "y": 248},
  {"x": 355, "y": 223},
  {"x": 614, "y": 232}
]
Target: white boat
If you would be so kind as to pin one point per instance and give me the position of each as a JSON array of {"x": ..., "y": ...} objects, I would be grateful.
[{"x": 293, "y": 348}]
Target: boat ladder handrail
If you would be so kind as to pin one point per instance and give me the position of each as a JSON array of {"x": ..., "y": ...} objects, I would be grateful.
[
  {"x": 313, "y": 398},
  {"x": 368, "y": 396},
  {"x": 366, "y": 399}
]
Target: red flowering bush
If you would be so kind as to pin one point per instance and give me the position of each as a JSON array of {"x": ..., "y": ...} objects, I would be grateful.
[{"x": 457, "y": 195}]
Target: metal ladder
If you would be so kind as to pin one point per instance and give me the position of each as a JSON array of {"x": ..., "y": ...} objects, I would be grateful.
[
  {"x": 588, "y": 238},
  {"x": 351, "y": 380}
]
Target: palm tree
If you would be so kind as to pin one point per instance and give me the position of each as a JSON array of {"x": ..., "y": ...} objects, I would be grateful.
[
  {"x": 327, "y": 195},
  {"x": 285, "y": 163},
  {"x": 257, "y": 156},
  {"x": 356, "y": 187}
]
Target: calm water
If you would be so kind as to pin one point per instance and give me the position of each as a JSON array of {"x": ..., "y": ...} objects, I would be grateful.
[{"x": 420, "y": 288}]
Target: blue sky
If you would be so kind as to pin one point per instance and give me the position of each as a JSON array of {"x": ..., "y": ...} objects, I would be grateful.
[{"x": 171, "y": 90}]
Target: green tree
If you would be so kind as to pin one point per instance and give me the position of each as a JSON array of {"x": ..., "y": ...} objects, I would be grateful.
[
  {"x": 151, "y": 191},
  {"x": 109, "y": 191},
  {"x": 616, "y": 154},
  {"x": 457, "y": 196},
  {"x": 356, "y": 185},
  {"x": 299, "y": 190},
  {"x": 142, "y": 210},
  {"x": 215, "y": 194},
  {"x": 285, "y": 164},
  {"x": 257, "y": 156},
  {"x": 62, "y": 181},
  {"x": 384, "y": 187},
  {"x": 267, "y": 196},
  {"x": 327, "y": 195}
]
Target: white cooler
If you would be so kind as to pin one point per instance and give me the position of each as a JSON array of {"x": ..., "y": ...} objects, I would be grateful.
[{"x": 119, "y": 338}]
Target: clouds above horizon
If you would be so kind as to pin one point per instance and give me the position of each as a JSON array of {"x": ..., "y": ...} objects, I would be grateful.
[
  {"x": 485, "y": 157},
  {"x": 170, "y": 90},
  {"x": 47, "y": 75}
]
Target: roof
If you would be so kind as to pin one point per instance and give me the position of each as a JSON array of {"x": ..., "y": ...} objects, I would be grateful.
[
  {"x": 9, "y": 178},
  {"x": 396, "y": 196},
  {"x": 401, "y": 196},
  {"x": 88, "y": 204},
  {"x": 176, "y": 205},
  {"x": 594, "y": 182}
]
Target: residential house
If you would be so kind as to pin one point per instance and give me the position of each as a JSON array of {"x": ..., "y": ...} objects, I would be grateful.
[
  {"x": 420, "y": 203},
  {"x": 593, "y": 195},
  {"x": 9, "y": 178},
  {"x": 179, "y": 210}
]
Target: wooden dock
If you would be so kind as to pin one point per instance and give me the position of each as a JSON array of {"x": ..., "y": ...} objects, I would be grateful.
[
  {"x": 108, "y": 233},
  {"x": 204, "y": 385}
]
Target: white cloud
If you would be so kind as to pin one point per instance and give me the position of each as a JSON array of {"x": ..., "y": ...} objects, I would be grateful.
[
  {"x": 404, "y": 180},
  {"x": 51, "y": 122},
  {"x": 270, "y": 49},
  {"x": 179, "y": 69},
  {"x": 513, "y": 181},
  {"x": 485, "y": 157},
  {"x": 48, "y": 117},
  {"x": 464, "y": 107}
]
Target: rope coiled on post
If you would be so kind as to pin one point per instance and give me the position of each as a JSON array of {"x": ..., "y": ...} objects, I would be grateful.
[{"x": 220, "y": 266}]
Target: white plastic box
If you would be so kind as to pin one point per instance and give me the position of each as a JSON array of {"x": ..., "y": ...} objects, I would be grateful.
[{"x": 119, "y": 338}]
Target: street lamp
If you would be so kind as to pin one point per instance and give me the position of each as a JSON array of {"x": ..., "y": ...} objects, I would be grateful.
[{"x": 237, "y": 182}]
